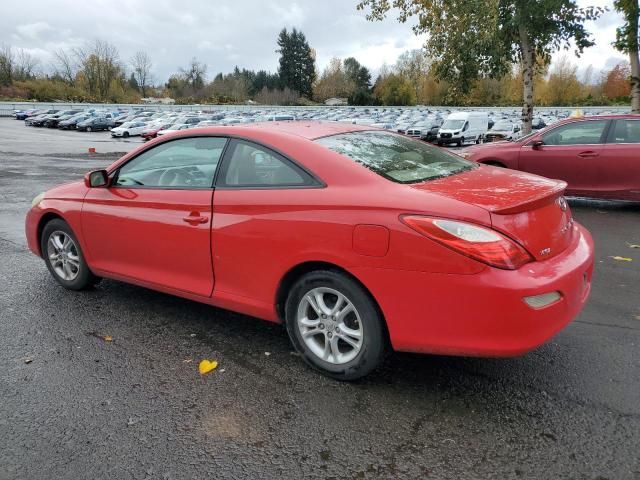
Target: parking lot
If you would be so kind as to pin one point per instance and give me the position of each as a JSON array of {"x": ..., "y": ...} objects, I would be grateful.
[{"x": 73, "y": 405}]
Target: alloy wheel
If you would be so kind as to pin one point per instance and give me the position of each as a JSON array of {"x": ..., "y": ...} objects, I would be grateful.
[
  {"x": 63, "y": 256},
  {"x": 330, "y": 325}
]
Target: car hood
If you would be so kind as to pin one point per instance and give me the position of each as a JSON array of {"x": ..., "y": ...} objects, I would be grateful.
[
  {"x": 498, "y": 190},
  {"x": 67, "y": 191}
]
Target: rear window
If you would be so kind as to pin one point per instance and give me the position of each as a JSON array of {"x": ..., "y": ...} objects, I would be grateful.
[{"x": 395, "y": 157}]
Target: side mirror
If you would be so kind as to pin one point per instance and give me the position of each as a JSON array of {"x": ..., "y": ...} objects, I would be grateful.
[
  {"x": 537, "y": 144},
  {"x": 97, "y": 178}
]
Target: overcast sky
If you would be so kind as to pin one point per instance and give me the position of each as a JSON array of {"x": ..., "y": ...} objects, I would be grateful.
[{"x": 225, "y": 33}]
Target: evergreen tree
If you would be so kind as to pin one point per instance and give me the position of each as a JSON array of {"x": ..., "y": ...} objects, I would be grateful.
[
  {"x": 297, "y": 63},
  {"x": 360, "y": 76},
  {"x": 133, "y": 83}
]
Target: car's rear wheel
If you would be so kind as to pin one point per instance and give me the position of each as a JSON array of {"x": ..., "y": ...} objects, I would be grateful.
[
  {"x": 335, "y": 325},
  {"x": 64, "y": 258}
]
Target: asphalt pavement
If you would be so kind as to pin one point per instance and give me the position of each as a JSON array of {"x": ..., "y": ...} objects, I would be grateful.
[{"x": 75, "y": 405}]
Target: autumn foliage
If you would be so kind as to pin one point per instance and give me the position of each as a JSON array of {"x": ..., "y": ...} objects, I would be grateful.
[{"x": 616, "y": 85}]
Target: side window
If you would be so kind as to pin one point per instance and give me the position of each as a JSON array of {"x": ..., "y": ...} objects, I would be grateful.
[
  {"x": 182, "y": 163},
  {"x": 577, "y": 133},
  {"x": 626, "y": 131},
  {"x": 251, "y": 165}
]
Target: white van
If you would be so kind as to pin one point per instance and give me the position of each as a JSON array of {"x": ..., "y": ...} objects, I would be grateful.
[{"x": 462, "y": 127}]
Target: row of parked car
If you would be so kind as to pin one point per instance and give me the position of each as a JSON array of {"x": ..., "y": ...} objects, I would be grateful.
[{"x": 441, "y": 126}]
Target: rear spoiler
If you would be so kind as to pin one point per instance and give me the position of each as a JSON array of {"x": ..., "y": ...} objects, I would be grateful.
[{"x": 547, "y": 196}]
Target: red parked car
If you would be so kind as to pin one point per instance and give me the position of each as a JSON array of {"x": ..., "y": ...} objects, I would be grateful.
[
  {"x": 597, "y": 156},
  {"x": 149, "y": 133},
  {"x": 356, "y": 239}
]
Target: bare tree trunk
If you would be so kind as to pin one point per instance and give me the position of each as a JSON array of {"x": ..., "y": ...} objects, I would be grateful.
[
  {"x": 633, "y": 58},
  {"x": 635, "y": 81},
  {"x": 528, "y": 58}
]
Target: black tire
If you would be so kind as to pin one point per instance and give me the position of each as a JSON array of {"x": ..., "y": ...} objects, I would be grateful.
[
  {"x": 374, "y": 342},
  {"x": 84, "y": 277},
  {"x": 125, "y": 134},
  {"x": 88, "y": 129},
  {"x": 461, "y": 142}
]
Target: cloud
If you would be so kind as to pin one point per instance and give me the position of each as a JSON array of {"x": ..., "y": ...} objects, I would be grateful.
[
  {"x": 32, "y": 31},
  {"x": 225, "y": 33}
]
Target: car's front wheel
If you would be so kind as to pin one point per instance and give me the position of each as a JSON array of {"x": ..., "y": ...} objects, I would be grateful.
[
  {"x": 335, "y": 325},
  {"x": 64, "y": 258}
]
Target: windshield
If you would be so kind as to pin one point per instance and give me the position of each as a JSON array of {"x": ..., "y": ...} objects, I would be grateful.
[
  {"x": 396, "y": 157},
  {"x": 502, "y": 125},
  {"x": 452, "y": 124}
]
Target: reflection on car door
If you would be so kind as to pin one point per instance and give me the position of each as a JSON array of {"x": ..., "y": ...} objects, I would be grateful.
[
  {"x": 619, "y": 169},
  {"x": 153, "y": 224},
  {"x": 571, "y": 152}
]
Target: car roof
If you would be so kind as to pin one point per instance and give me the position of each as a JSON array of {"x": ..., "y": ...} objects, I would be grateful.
[
  {"x": 600, "y": 117},
  {"x": 308, "y": 129}
]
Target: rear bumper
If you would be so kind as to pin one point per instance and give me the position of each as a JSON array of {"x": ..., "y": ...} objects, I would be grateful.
[{"x": 482, "y": 314}]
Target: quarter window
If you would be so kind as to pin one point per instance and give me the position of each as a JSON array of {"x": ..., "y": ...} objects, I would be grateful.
[
  {"x": 626, "y": 131},
  {"x": 182, "y": 163},
  {"x": 251, "y": 165},
  {"x": 586, "y": 132}
]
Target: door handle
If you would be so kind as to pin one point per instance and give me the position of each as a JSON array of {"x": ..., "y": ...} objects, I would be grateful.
[
  {"x": 195, "y": 218},
  {"x": 588, "y": 154}
]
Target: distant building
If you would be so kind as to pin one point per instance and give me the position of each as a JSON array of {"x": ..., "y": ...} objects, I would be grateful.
[
  {"x": 162, "y": 100},
  {"x": 336, "y": 102}
]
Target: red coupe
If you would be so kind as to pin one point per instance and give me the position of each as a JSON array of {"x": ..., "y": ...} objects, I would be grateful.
[
  {"x": 356, "y": 239},
  {"x": 598, "y": 157}
]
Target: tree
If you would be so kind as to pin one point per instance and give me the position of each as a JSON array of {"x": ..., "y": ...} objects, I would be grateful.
[
  {"x": 616, "y": 84},
  {"x": 99, "y": 65},
  {"x": 133, "y": 82},
  {"x": 413, "y": 65},
  {"x": 627, "y": 42},
  {"x": 264, "y": 79},
  {"x": 65, "y": 67},
  {"x": 195, "y": 74},
  {"x": 232, "y": 87},
  {"x": 284, "y": 96},
  {"x": 394, "y": 89},
  {"x": 478, "y": 38},
  {"x": 6, "y": 65},
  {"x": 24, "y": 65},
  {"x": 141, "y": 64},
  {"x": 360, "y": 76},
  {"x": 297, "y": 62},
  {"x": 333, "y": 82},
  {"x": 562, "y": 87}
]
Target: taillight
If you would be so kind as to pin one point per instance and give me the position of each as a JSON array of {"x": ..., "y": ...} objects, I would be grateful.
[{"x": 479, "y": 243}]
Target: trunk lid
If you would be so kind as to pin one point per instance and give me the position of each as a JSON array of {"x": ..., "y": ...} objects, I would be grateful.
[{"x": 528, "y": 208}]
